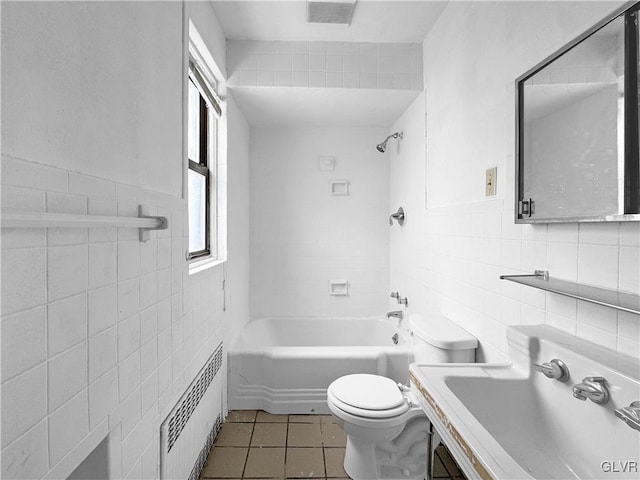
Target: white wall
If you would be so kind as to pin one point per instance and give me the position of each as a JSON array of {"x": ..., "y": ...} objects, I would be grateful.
[
  {"x": 449, "y": 257},
  {"x": 301, "y": 237},
  {"x": 101, "y": 333},
  {"x": 325, "y": 64}
]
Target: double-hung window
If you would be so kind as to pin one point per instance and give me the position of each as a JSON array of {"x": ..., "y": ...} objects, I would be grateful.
[{"x": 203, "y": 113}]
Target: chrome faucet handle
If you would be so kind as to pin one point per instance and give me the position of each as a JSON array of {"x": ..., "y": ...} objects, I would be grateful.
[
  {"x": 556, "y": 369},
  {"x": 593, "y": 388},
  {"x": 399, "y": 216},
  {"x": 403, "y": 301},
  {"x": 630, "y": 415}
]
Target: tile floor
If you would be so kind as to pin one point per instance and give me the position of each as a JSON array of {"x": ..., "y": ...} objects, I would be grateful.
[
  {"x": 258, "y": 445},
  {"x": 445, "y": 467}
]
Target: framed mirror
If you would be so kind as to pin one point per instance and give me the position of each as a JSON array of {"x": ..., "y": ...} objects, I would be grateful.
[{"x": 577, "y": 129}]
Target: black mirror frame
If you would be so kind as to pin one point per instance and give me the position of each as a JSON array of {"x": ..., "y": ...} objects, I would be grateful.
[{"x": 523, "y": 207}]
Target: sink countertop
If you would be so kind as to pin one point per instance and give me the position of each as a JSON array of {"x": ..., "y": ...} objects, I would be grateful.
[
  {"x": 449, "y": 422},
  {"x": 505, "y": 421}
]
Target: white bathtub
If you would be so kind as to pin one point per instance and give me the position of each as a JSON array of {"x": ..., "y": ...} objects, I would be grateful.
[{"x": 284, "y": 365}]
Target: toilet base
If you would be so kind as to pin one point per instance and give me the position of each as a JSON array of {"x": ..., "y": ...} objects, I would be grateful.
[
  {"x": 360, "y": 460},
  {"x": 403, "y": 458}
]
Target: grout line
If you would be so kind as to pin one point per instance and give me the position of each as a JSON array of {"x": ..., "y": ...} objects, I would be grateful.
[
  {"x": 324, "y": 458},
  {"x": 286, "y": 449},
  {"x": 246, "y": 459},
  {"x": 46, "y": 332}
]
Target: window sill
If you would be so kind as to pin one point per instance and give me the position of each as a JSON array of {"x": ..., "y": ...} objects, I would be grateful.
[{"x": 204, "y": 263}]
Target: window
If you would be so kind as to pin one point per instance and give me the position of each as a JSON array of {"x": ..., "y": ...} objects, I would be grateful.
[{"x": 203, "y": 112}]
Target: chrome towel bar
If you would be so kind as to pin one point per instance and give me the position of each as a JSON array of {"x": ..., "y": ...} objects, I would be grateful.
[{"x": 144, "y": 222}]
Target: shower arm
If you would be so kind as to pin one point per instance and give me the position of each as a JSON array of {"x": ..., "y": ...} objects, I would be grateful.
[{"x": 393, "y": 135}]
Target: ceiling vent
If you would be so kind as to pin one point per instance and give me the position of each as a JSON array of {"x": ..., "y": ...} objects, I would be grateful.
[{"x": 330, "y": 11}]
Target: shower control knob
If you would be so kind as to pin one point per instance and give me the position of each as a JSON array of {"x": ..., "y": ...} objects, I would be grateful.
[{"x": 399, "y": 216}]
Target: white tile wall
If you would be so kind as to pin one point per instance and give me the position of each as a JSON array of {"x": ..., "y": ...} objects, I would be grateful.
[
  {"x": 98, "y": 326},
  {"x": 31, "y": 326},
  {"x": 325, "y": 64},
  {"x": 301, "y": 236},
  {"x": 73, "y": 300},
  {"x": 449, "y": 256}
]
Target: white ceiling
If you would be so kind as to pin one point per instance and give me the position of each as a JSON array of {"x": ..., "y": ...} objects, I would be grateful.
[
  {"x": 373, "y": 21},
  {"x": 321, "y": 107}
]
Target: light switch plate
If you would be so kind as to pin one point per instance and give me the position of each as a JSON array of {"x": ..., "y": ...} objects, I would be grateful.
[{"x": 491, "y": 175}]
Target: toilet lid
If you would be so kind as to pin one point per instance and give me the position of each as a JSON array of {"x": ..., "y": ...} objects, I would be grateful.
[{"x": 367, "y": 392}]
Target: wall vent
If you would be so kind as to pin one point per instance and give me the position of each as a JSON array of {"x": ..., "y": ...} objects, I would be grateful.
[
  {"x": 185, "y": 407},
  {"x": 333, "y": 11},
  {"x": 187, "y": 433},
  {"x": 204, "y": 453}
]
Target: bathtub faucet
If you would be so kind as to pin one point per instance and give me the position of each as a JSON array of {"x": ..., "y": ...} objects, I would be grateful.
[{"x": 397, "y": 314}]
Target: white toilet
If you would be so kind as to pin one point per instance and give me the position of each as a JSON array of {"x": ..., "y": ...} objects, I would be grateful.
[{"x": 386, "y": 429}]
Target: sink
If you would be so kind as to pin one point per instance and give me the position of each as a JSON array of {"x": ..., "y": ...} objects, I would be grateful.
[{"x": 508, "y": 421}]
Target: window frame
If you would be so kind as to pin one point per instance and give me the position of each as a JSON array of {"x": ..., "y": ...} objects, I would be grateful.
[
  {"x": 199, "y": 61},
  {"x": 205, "y": 164}
]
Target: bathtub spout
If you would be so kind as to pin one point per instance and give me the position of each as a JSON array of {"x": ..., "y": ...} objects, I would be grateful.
[{"x": 397, "y": 314}]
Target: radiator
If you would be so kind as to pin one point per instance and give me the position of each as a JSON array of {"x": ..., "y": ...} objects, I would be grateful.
[{"x": 188, "y": 432}]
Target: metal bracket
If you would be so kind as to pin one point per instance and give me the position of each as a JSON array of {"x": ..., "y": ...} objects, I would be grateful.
[
  {"x": 145, "y": 233},
  {"x": 526, "y": 208},
  {"x": 543, "y": 274}
]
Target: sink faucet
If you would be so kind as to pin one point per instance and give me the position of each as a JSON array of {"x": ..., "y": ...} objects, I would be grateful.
[
  {"x": 630, "y": 415},
  {"x": 397, "y": 314},
  {"x": 593, "y": 388}
]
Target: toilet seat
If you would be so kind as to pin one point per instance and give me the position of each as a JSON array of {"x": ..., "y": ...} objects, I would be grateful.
[{"x": 369, "y": 396}]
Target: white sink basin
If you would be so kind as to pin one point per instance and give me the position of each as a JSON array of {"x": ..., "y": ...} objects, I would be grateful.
[{"x": 509, "y": 421}]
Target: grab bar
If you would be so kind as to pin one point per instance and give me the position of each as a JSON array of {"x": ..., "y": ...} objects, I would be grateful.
[{"x": 67, "y": 220}]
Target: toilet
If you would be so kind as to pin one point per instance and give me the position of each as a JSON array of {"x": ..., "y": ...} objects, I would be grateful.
[{"x": 386, "y": 429}]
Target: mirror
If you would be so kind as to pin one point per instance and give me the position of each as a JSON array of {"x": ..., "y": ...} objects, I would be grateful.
[{"x": 577, "y": 129}]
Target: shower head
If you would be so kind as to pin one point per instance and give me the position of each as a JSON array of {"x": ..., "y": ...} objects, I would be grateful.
[{"x": 382, "y": 147}]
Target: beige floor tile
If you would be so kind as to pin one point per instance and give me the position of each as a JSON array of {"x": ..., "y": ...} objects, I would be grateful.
[
  {"x": 234, "y": 435},
  {"x": 269, "y": 435},
  {"x": 241, "y": 416},
  {"x": 304, "y": 418},
  {"x": 438, "y": 468},
  {"x": 265, "y": 463},
  {"x": 225, "y": 462},
  {"x": 334, "y": 462},
  {"x": 305, "y": 463},
  {"x": 270, "y": 418},
  {"x": 333, "y": 435},
  {"x": 327, "y": 419},
  {"x": 304, "y": 435}
]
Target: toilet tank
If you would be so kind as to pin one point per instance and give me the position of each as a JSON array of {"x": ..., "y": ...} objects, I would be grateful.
[{"x": 437, "y": 339}]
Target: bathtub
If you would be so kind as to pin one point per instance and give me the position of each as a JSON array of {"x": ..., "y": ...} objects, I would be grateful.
[{"x": 284, "y": 365}]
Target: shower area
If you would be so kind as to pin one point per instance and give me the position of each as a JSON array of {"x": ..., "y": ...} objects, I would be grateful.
[{"x": 319, "y": 222}]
